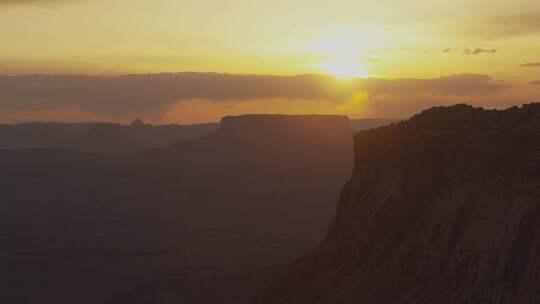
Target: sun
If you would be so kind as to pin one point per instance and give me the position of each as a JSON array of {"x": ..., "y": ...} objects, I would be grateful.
[{"x": 345, "y": 68}]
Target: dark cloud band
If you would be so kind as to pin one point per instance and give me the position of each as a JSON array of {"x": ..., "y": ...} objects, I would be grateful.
[{"x": 153, "y": 94}]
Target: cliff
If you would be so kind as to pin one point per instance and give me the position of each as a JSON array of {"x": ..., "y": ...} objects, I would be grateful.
[
  {"x": 285, "y": 136},
  {"x": 442, "y": 208},
  {"x": 304, "y": 127},
  {"x": 283, "y": 141}
]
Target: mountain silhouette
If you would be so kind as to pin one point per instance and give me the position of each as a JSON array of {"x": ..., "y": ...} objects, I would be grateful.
[
  {"x": 117, "y": 138},
  {"x": 97, "y": 137},
  {"x": 441, "y": 208}
]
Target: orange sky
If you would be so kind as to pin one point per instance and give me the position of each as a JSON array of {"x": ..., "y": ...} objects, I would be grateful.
[{"x": 385, "y": 39}]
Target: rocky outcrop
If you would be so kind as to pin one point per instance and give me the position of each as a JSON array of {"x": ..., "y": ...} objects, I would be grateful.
[
  {"x": 442, "y": 208},
  {"x": 286, "y": 136},
  {"x": 305, "y": 127},
  {"x": 292, "y": 142}
]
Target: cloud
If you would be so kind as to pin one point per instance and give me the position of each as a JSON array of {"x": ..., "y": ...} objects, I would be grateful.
[
  {"x": 152, "y": 96},
  {"x": 536, "y": 82},
  {"x": 479, "y": 51},
  {"x": 154, "y": 93},
  {"x": 468, "y": 51},
  {"x": 371, "y": 59},
  {"x": 530, "y": 65}
]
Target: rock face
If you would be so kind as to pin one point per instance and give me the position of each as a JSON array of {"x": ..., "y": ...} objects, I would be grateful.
[
  {"x": 288, "y": 136},
  {"x": 289, "y": 142},
  {"x": 442, "y": 208},
  {"x": 266, "y": 126}
]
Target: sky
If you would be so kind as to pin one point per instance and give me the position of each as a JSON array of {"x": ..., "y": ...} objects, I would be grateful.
[{"x": 388, "y": 43}]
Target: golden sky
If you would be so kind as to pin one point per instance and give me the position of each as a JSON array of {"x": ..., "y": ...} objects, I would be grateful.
[{"x": 383, "y": 39}]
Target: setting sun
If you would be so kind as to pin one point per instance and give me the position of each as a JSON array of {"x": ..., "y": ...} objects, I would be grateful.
[{"x": 344, "y": 68}]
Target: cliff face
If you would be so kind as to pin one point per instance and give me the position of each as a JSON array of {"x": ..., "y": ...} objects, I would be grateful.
[
  {"x": 294, "y": 131},
  {"x": 281, "y": 141},
  {"x": 442, "y": 208}
]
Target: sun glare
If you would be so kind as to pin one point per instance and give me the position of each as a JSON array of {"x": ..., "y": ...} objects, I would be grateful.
[{"x": 343, "y": 68}]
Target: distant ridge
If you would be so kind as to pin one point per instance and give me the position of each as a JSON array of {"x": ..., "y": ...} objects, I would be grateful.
[{"x": 97, "y": 137}]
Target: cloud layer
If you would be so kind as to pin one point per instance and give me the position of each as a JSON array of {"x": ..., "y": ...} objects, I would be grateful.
[
  {"x": 468, "y": 51},
  {"x": 530, "y": 65},
  {"x": 154, "y": 96}
]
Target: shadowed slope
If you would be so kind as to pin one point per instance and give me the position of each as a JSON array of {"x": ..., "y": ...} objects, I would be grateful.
[
  {"x": 89, "y": 228},
  {"x": 442, "y": 208}
]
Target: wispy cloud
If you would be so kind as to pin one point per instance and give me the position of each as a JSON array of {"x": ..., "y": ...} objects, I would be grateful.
[
  {"x": 469, "y": 51},
  {"x": 371, "y": 59},
  {"x": 479, "y": 51},
  {"x": 536, "y": 82},
  {"x": 530, "y": 65}
]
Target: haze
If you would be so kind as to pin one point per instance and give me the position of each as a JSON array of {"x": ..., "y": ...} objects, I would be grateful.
[
  {"x": 386, "y": 40},
  {"x": 269, "y": 152}
]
